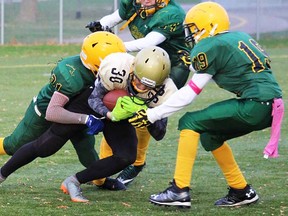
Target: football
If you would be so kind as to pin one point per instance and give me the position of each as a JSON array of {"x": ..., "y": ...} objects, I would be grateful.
[{"x": 111, "y": 97}]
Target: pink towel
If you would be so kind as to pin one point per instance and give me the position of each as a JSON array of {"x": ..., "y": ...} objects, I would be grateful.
[{"x": 271, "y": 149}]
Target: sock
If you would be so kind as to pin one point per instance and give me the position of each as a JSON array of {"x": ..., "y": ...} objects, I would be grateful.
[
  {"x": 225, "y": 159},
  {"x": 99, "y": 182},
  {"x": 105, "y": 150},
  {"x": 187, "y": 150},
  {"x": 143, "y": 142},
  {"x": 2, "y": 150}
]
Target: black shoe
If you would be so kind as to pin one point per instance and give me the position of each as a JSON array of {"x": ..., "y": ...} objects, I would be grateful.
[
  {"x": 112, "y": 184},
  {"x": 238, "y": 197},
  {"x": 129, "y": 173},
  {"x": 172, "y": 196}
]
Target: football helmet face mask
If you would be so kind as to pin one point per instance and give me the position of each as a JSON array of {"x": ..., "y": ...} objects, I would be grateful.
[
  {"x": 145, "y": 11},
  {"x": 151, "y": 67},
  {"x": 97, "y": 46},
  {"x": 205, "y": 20}
]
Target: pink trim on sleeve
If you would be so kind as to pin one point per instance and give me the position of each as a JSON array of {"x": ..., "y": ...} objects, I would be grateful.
[{"x": 194, "y": 87}]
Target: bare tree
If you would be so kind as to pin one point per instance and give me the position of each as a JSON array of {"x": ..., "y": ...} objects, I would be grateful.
[{"x": 28, "y": 10}]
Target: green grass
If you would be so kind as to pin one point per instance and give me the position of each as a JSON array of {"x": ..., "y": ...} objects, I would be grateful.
[{"x": 34, "y": 189}]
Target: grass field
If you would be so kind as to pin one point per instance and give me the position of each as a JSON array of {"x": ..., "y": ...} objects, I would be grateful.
[{"x": 34, "y": 189}]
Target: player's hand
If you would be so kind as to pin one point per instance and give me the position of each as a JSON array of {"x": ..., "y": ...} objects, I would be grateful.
[
  {"x": 133, "y": 104},
  {"x": 94, "y": 124},
  {"x": 96, "y": 26},
  {"x": 140, "y": 120},
  {"x": 185, "y": 57},
  {"x": 118, "y": 113}
]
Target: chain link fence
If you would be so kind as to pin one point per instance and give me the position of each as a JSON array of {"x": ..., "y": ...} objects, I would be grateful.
[{"x": 63, "y": 21}]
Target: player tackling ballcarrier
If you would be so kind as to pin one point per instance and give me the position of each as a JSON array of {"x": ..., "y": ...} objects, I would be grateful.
[
  {"x": 146, "y": 77},
  {"x": 71, "y": 76},
  {"x": 237, "y": 63}
]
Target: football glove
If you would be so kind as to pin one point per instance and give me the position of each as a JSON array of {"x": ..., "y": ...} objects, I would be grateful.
[
  {"x": 158, "y": 129},
  {"x": 139, "y": 119},
  {"x": 132, "y": 105},
  {"x": 118, "y": 113},
  {"x": 185, "y": 57},
  {"x": 94, "y": 124},
  {"x": 96, "y": 26}
]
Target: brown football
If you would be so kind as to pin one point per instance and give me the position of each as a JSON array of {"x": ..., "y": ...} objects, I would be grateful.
[{"x": 111, "y": 97}]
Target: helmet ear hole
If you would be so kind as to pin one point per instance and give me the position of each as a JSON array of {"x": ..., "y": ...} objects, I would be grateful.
[
  {"x": 96, "y": 46},
  {"x": 209, "y": 18},
  {"x": 152, "y": 66}
]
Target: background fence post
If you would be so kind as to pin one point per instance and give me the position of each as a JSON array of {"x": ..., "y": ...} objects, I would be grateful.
[
  {"x": 61, "y": 22},
  {"x": 2, "y": 22}
]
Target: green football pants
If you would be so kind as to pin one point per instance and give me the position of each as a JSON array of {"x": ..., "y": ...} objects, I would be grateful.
[
  {"x": 226, "y": 120},
  {"x": 33, "y": 125}
]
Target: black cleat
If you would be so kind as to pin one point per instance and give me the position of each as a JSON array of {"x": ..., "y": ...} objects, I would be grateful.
[
  {"x": 112, "y": 184},
  {"x": 129, "y": 173},
  {"x": 172, "y": 196},
  {"x": 238, "y": 197}
]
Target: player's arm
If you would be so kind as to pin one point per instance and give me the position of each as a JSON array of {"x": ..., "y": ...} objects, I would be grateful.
[
  {"x": 105, "y": 23},
  {"x": 95, "y": 100},
  {"x": 57, "y": 113},
  {"x": 111, "y": 20},
  {"x": 151, "y": 39},
  {"x": 160, "y": 32},
  {"x": 180, "y": 98}
]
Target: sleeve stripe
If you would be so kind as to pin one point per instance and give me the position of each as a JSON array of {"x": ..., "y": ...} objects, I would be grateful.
[{"x": 194, "y": 87}]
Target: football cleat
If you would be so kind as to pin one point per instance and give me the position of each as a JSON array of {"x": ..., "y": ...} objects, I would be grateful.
[
  {"x": 238, "y": 197},
  {"x": 112, "y": 184},
  {"x": 2, "y": 179},
  {"x": 129, "y": 173},
  {"x": 71, "y": 186},
  {"x": 172, "y": 196}
]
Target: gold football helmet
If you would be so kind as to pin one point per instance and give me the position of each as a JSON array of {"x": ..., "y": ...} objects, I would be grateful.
[
  {"x": 97, "y": 46},
  {"x": 205, "y": 19},
  {"x": 151, "y": 67}
]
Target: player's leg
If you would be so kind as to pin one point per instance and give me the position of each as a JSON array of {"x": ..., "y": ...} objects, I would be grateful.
[
  {"x": 241, "y": 122},
  {"x": 107, "y": 183},
  {"x": 122, "y": 139},
  {"x": 178, "y": 193},
  {"x": 47, "y": 144},
  {"x": 29, "y": 128},
  {"x": 132, "y": 171},
  {"x": 84, "y": 144},
  {"x": 215, "y": 119}
]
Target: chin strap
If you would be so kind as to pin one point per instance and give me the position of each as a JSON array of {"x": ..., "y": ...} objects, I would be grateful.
[
  {"x": 162, "y": 5},
  {"x": 128, "y": 21}
]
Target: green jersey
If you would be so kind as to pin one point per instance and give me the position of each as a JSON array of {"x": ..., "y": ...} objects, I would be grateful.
[
  {"x": 70, "y": 77},
  {"x": 167, "y": 21},
  {"x": 238, "y": 64}
]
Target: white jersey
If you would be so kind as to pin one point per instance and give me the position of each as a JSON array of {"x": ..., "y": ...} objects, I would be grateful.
[{"x": 114, "y": 74}]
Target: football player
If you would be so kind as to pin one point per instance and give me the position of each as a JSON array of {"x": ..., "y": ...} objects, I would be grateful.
[
  {"x": 146, "y": 77},
  {"x": 237, "y": 63},
  {"x": 69, "y": 78},
  {"x": 151, "y": 22}
]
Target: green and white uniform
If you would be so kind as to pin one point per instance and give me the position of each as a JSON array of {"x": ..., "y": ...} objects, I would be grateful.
[
  {"x": 239, "y": 65},
  {"x": 70, "y": 78},
  {"x": 168, "y": 22}
]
